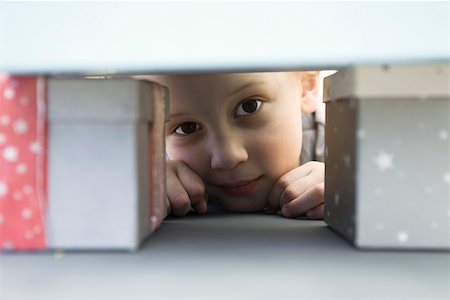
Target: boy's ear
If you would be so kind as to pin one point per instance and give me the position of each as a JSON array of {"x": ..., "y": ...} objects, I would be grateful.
[{"x": 310, "y": 92}]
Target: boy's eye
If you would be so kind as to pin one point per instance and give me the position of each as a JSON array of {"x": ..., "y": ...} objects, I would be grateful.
[
  {"x": 248, "y": 107},
  {"x": 187, "y": 128}
]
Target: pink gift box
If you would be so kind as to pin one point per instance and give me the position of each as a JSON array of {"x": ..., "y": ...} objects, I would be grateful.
[{"x": 54, "y": 192}]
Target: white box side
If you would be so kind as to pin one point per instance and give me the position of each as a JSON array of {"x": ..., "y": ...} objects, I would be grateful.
[
  {"x": 92, "y": 186},
  {"x": 389, "y": 81},
  {"x": 403, "y": 193},
  {"x": 98, "y": 100}
]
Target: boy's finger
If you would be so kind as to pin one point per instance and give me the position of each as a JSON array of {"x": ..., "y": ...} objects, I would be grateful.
[
  {"x": 316, "y": 213},
  {"x": 179, "y": 201},
  {"x": 307, "y": 201},
  {"x": 296, "y": 189},
  {"x": 282, "y": 183},
  {"x": 168, "y": 209},
  {"x": 192, "y": 183},
  {"x": 201, "y": 207}
]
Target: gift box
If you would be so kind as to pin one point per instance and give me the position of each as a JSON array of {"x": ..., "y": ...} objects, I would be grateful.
[
  {"x": 387, "y": 174},
  {"x": 81, "y": 162}
]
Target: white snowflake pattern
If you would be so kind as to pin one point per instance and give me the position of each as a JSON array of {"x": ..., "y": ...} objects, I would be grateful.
[
  {"x": 9, "y": 93},
  {"x": 434, "y": 225},
  {"x": 37, "y": 229},
  {"x": 7, "y": 245},
  {"x": 336, "y": 199},
  {"x": 446, "y": 178},
  {"x": 27, "y": 213},
  {"x": 10, "y": 154},
  {"x": 4, "y": 120},
  {"x": 402, "y": 236},
  {"x": 20, "y": 126},
  {"x": 384, "y": 161},
  {"x": 2, "y": 139},
  {"x": 35, "y": 147},
  {"x": 27, "y": 190},
  {"x": 17, "y": 196},
  {"x": 347, "y": 160},
  {"x": 3, "y": 189},
  {"x": 361, "y": 133},
  {"x": 443, "y": 135},
  {"x": 21, "y": 169},
  {"x": 379, "y": 226},
  {"x": 29, "y": 235}
]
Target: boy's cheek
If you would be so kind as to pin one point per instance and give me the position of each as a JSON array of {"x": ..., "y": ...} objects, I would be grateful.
[{"x": 194, "y": 162}]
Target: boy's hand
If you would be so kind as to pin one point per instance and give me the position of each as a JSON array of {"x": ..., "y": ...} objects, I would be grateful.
[
  {"x": 185, "y": 189},
  {"x": 299, "y": 192}
]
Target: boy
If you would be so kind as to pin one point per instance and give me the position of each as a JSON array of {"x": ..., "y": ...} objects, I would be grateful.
[{"x": 237, "y": 139}]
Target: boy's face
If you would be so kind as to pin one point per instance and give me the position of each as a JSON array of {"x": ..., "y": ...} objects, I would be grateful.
[{"x": 238, "y": 132}]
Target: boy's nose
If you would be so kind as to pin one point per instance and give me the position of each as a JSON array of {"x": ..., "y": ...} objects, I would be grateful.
[{"x": 227, "y": 153}]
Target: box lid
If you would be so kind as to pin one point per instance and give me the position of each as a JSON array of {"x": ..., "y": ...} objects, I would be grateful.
[
  {"x": 103, "y": 99},
  {"x": 387, "y": 81}
]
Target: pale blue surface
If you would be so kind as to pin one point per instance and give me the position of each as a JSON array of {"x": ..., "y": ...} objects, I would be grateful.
[
  {"x": 230, "y": 256},
  {"x": 216, "y": 36}
]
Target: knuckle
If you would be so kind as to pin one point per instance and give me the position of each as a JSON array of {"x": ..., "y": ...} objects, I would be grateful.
[
  {"x": 318, "y": 191},
  {"x": 197, "y": 189},
  {"x": 291, "y": 192},
  {"x": 312, "y": 164},
  {"x": 180, "y": 204},
  {"x": 284, "y": 182},
  {"x": 171, "y": 164},
  {"x": 309, "y": 163},
  {"x": 317, "y": 167},
  {"x": 175, "y": 165},
  {"x": 176, "y": 195}
]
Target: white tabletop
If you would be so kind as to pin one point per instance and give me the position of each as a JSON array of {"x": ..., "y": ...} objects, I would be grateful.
[
  {"x": 191, "y": 36},
  {"x": 230, "y": 256}
]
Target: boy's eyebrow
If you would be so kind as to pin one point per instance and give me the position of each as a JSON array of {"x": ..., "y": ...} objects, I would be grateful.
[
  {"x": 176, "y": 115},
  {"x": 243, "y": 87}
]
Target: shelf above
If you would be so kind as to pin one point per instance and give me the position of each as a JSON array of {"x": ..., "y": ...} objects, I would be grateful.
[{"x": 174, "y": 37}]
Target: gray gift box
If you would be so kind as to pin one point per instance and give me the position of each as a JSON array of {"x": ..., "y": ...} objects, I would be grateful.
[
  {"x": 387, "y": 174},
  {"x": 106, "y": 175}
]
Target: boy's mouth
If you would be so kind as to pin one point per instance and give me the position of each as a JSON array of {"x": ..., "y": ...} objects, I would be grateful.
[{"x": 239, "y": 188}]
